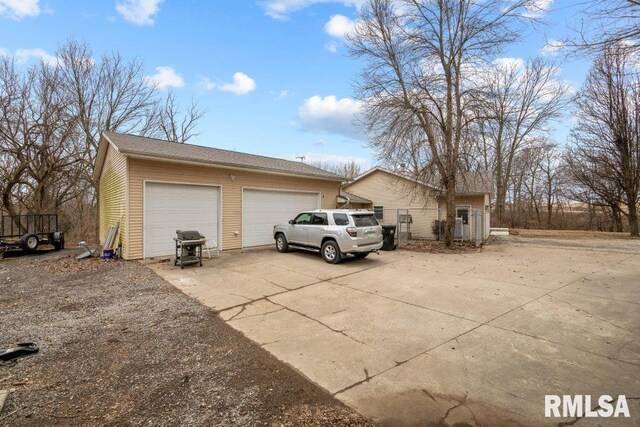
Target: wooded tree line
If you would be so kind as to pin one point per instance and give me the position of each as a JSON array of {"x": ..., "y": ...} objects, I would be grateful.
[
  {"x": 440, "y": 99},
  {"x": 51, "y": 118}
]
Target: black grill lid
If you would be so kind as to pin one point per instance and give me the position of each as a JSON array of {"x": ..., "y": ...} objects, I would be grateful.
[{"x": 189, "y": 235}]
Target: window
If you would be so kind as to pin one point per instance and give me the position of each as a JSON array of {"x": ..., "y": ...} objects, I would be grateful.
[
  {"x": 366, "y": 220},
  {"x": 340, "y": 219},
  {"x": 303, "y": 218},
  {"x": 378, "y": 211},
  {"x": 464, "y": 214},
  {"x": 319, "y": 219}
]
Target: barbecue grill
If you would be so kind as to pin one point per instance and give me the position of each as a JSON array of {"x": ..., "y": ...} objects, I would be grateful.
[{"x": 188, "y": 247}]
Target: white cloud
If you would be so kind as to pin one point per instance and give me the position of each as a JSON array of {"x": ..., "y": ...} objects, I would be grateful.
[
  {"x": 242, "y": 84},
  {"x": 280, "y": 9},
  {"x": 339, "y": 26},
  {"x": 328, "y": 158},
  {"x": 24, "y": 55},
  {"x": 164, "y": 77},
  {"x": 206, "y": 84},
  {"x": 537, "y": 8},
  {"x": 18, "y": 9},
  {"x": 139, "y": 12},
  {"x": 518, "y": 63},
  {"x": 331, "y": 47},
  {"x": 330, "y": 115},
  {"x": 279, "y": 94},
  {"x": 553, "y": 47},
  {"x": 4, "y": 52}
]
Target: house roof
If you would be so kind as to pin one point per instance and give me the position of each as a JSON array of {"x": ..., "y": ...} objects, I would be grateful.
[
  {"x": 396, "y": 174},
  {"x": 144, "y": 147},
  {"x": 467, "y": 183},
  {"x": 353, "y": 198},
  {"x": 474, "y": 182}
]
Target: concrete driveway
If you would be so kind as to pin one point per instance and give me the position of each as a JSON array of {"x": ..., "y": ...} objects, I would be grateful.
[{"x": 414, "y": 338}]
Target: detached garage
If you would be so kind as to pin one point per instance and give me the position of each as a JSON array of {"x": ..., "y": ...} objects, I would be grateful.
[{"x": 154, "y": 187}]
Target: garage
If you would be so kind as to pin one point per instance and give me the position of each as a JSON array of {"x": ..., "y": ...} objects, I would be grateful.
[
  {"x": 152, "y": 187},
  {"x": 262, "y": 209},
  {"x": 169, "y": 207}
]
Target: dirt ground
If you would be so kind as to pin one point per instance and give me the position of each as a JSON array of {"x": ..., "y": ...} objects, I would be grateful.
[
  {"x": 118, "y": 345},
  {"x": 569, "y": 234}
]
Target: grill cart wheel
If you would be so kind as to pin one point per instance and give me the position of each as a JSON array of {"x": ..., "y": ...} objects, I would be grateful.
[{"x": 29, "y": 242}]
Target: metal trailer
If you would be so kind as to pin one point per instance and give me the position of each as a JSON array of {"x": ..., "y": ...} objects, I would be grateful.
[{"x": 28, "y": 232}]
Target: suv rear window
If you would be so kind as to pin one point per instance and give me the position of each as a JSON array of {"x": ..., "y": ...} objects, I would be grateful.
[
  {"x": 340, "y": 219},
  {"x": 366, "y": 220}
]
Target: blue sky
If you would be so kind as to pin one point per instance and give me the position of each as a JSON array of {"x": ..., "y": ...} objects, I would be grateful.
[{"x": 273, "y": 75}]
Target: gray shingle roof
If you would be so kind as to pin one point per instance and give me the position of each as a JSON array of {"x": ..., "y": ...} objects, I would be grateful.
[
  {"x": 354, "y": 198},
  {"x": 160, "y": 149},
  {"x": 474, "y": 182}
]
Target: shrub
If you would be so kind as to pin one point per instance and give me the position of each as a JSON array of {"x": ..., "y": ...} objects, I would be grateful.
[{"x": 438, "y": 227}]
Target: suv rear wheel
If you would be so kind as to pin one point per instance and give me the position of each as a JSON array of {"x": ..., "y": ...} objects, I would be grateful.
[
  {"x": 331, "y": 252},
  {"x": 281, "y": 243}
]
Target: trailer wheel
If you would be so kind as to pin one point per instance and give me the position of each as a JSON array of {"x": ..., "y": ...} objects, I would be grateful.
[{"x": 29, "y": 242}]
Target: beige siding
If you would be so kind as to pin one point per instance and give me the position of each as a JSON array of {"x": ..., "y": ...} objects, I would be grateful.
[
  {"x": 395, "y": 193},
  {"x": 113, "y": 195},
  {"x": 152, "y": 170}
]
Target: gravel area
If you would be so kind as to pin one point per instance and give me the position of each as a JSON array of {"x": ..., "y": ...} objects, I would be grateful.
[{"x": 119, "y": 345}]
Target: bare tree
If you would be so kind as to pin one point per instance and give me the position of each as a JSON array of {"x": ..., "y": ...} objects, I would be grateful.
[
  {"x": 349, "y": 169},
  {"x": 514, "y": 113},
  {"x": 38, "y": 147},
  {"x": 417, "y": 86},
  {"x": 605, "y": 154},
  {"x": 175, "y": 126},
  {"x": 607, "y": 23}
]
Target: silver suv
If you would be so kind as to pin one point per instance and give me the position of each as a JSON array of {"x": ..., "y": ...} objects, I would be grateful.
[{"x": 333, "y": 232}]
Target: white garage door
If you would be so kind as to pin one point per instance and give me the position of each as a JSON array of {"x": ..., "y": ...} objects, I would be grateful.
[
  {"x": 171, "y": 207},
  {"x": 262, "y": 209}
]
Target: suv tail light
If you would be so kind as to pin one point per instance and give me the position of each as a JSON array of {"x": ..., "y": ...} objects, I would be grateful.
[{"x": 351, "y": 231}]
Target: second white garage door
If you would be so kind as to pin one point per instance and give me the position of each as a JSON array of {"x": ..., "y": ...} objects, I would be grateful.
[
  {"x": 262, "y": 209},
  {"x": 171, "y": 207}
]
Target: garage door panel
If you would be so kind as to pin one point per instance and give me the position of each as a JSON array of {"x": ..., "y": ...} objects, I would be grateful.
[
  {"x": 262, "y": 209},
  {"x": 171, "y": 207}
]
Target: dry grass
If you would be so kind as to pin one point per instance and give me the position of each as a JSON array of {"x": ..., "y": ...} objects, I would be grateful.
[
  {"x": 437, "y": 247},
  {"x": 570, "y": 234}
]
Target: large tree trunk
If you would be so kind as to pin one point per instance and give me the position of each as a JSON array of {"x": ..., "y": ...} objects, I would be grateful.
[
  {"x": 633, "y": 216},
  {"x": 450, "y": 203},
  {"x": 616, "y": 218}
]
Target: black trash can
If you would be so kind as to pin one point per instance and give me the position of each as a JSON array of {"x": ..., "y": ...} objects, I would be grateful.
[{"x": 388, "y": 237}]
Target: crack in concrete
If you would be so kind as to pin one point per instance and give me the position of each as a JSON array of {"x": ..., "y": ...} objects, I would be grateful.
[
  {"x": 341, "y": 332},
  {"x": 564, "y": 345},
  {"x": 254, "y": 315},
  {"x": 237, "y": 314},
  {"x": 591, "y": 314}
]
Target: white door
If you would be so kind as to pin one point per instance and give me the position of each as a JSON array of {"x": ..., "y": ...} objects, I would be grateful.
[
  {"x": 171, "y": 207},
  {"x": 262, "y": 209}
]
